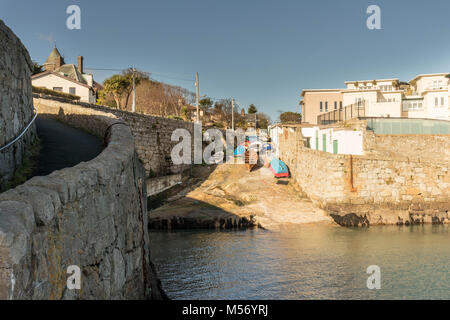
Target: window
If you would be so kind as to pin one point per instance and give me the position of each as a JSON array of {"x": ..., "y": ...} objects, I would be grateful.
[
  {"x": 335, "y": 105},
  {"x": 436, "y": 102},
  {"x": 60, "y": 89},
  {"x": 442, "y": 101},
  {"x": 326, "y": 106},
  {"x": 340, "y": 105},
  {"x": 321, "y": 106},
  {"x": 73, "y": 90}
]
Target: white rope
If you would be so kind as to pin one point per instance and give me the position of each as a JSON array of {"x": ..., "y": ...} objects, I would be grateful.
[{"x": 23, "y": 132}]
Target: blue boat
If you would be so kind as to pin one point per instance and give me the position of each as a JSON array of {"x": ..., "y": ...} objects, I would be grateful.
[
  {"x": 279, "y": 168},
  {"x": 240, "y": 151}
]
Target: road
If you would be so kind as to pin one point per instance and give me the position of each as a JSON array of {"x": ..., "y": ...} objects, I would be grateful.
[{"x": 63, "y": 146}]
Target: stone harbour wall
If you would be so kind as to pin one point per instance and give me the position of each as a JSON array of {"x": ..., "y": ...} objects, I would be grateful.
[
  {"x": 16, "y": 105},
  {"x": 93, "y": 216},
  {"x": 371, "y": 189},
  {"x": 152, "y": 135}
]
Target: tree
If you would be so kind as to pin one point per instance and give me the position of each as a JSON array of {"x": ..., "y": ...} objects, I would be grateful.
[
  {"x": 37, "y": 68},
  {"x": 205, "y": 104},
  {"x": 252, "y": 109},
  {"x": 185, "y": 113},
  {"x": 118, "y": 86},
  {"x": 292, "y": 117},
  {"x": 263, "y": 121},
  {"x": 138, "y": 77}
]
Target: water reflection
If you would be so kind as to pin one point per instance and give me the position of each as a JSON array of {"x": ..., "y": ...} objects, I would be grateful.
[{"x": 312, "y": 262}]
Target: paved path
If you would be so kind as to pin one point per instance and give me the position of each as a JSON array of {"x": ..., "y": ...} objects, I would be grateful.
[{"x": 63, "y": 146}]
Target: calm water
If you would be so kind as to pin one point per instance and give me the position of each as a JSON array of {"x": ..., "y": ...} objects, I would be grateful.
[{"x": 313, "y": 262}]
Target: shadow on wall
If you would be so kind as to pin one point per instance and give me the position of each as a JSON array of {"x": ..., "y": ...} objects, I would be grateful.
[{"x": 92, "y": 215}]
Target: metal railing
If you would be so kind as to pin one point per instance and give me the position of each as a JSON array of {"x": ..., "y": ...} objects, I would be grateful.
[
  {"x": 22, "y": 133},
  {"x": 350, "y": 112}
]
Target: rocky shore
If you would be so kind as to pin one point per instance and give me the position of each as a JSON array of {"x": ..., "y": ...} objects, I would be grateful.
[{"x": 230, "y": 197}]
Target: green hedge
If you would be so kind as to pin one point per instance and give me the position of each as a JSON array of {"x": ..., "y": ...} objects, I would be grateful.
[{"x": 55, "y": 93}]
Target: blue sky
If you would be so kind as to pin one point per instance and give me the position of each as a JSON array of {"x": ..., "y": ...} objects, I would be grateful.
[{"x": 262, "y": 52}]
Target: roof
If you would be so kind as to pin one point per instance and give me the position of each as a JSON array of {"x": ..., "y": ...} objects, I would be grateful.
[
  {"x": 71, "y": 71},
  {"x": 369, "y": 81},
  {"x": 319, "y": 90},
  {"x": 46, "y": 73},
  {"x": 428, "y": 75},
  {"x": 53, "y": 56}
]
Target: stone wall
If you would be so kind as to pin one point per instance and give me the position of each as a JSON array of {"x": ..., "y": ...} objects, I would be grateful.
[
  {"x": 152, "y": 135},
  {"x": 371, "y": 189},
  {"x": 16, "y": 105},
  {"x": 413, "y": 147},
  {"x": 93, "y": 215}
]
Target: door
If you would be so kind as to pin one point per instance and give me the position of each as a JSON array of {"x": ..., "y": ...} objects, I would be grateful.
[
  {"x": 324, "y": 143},
  {"x": 335, "y": 146},
  {"x": 317, "y": 142}
]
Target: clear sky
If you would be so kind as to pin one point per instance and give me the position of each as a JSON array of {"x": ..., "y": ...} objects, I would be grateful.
[{"x": 257, "y": 51}]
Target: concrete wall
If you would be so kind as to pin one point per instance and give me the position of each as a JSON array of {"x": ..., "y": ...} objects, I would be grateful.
[
  {"x": 16, "y": 107},
  {"x": 371, "y": 189},
  {"x": 152, "y": 135},
  {"x": 93, "y": 215}
]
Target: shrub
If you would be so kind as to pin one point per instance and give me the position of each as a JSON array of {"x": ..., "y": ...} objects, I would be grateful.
[{"x": 55, "y": 93}]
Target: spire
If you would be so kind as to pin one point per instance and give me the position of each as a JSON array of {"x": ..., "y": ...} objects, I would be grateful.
[{"x": 54, "y": 60}]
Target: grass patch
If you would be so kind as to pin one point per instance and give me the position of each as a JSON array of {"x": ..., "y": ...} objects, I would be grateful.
[{"x": 24, "y": 172}]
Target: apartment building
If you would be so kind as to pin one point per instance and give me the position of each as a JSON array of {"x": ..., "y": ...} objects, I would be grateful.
[
  {"x": 426, "y": 96},
  {"x": 318, "y": 102}
]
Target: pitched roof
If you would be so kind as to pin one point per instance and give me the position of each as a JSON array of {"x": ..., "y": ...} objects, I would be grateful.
[
  {"x": 45, "y": 73},
  {"x": 53, "y": 56},
  {"x": 69, "y": 70}
]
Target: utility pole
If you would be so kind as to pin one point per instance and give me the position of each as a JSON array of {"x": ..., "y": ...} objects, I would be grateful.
[
  {"x": 256, "y": 127},
  {"x": 232, "y": 114},
  {"x": 133, "y": 107},
  {"x": 198, "y": 96}
]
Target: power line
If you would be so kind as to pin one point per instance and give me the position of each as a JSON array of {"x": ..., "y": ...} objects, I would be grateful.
[{"x": 163, "y": 75}]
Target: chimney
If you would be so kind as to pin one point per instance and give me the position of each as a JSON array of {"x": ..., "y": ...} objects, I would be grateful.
[{"x": 80, "y": 64}]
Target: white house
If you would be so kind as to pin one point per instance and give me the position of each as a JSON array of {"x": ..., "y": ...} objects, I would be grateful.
[
  {"x": 66, "y": 78},
  {"x": 426, "y": 96},
  {"x": 429, "y": 97},
  {"x": 381, "y": 98},
  {"x": 334, "y": 140}
]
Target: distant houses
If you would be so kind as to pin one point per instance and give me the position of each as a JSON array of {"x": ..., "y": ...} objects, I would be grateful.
[
  {"x": 426, "y": 96},
  {"x": 67, "y": 78}
]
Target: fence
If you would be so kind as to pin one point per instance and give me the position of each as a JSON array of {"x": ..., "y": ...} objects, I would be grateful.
[
  {"x": 408, "y": 126},
  {"x": 350, "y": 112}
]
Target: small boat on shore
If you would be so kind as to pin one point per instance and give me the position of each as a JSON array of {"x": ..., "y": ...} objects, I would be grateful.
[
  {"x": 239, "y": 151},
  {"x": 251, "y": 159},
  {"x": 279, "y": 168}
]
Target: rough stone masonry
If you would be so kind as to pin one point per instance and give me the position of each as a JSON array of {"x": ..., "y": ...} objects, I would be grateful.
[
  {"x": 382, "y": 186},
  {"x": 16, "y": 104},
  {"x": 93, "y": 216}
]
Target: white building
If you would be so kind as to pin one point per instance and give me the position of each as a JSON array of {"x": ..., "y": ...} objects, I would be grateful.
[
  {"x": 381, "y": 98},
  {"x": 426, "y": 96},
  {"x": 67, "y": 78},
  {"x": 334, "y": 140},
  {"x": 429, "y": 97}
]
